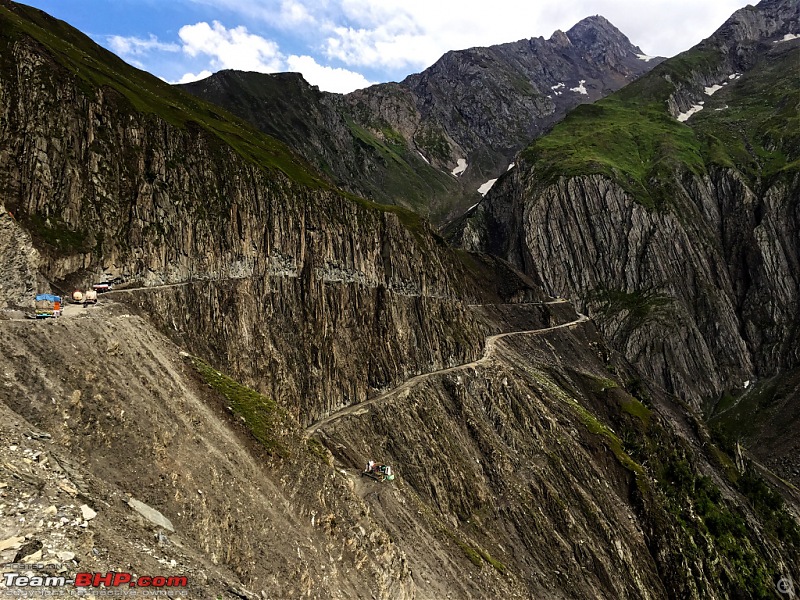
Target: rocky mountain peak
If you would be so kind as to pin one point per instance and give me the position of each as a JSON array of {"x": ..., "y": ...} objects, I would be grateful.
[
  {"x": 598, "y": 37},
  {"x": 768, "y": 19}
]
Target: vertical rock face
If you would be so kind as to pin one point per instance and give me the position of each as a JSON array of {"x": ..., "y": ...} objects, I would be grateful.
[
  {"x": 700, "y": 301},
  {"x": 683, "y": 241}
]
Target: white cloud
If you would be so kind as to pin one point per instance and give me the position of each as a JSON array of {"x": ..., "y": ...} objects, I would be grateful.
[
  {"x": 328, "y": 40},
  {"x": 191, "y": 77},
  {"x": 293, "y": 13},
  {"x": 235, "y": 48},
  {"x": 415, "y": 33},
  {"x": 134, "y": 46},
  {"x": 329, "y": 79},
  {"x": 382, "y": 48}
]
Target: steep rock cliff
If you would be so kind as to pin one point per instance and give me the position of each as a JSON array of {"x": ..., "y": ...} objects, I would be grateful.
[
  {"x": 19, "y": 264},
  {"x": 108, "y": 191}
]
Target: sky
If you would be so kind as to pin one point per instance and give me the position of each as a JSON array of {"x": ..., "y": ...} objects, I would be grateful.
[{"x": 343, "y": 45}]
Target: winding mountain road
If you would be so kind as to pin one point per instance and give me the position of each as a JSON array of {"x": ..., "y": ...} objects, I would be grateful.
[
  {"x": 155, "y": 287},
  {"x": 491, "y": 342}
]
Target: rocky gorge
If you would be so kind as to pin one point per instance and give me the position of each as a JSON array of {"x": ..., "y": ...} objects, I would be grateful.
[
  {"x": 267, "y": 334},
  {"x": 682, "y": 247}
]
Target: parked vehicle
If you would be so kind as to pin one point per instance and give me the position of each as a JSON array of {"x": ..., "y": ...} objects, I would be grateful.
[{"x": 48, "y": 306}]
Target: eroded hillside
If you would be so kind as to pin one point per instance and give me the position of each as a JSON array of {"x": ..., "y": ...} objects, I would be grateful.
[{"x": 533, "y": 471}]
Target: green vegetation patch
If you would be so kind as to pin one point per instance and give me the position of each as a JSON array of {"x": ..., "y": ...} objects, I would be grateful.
[
  {"x": 752, "y": 125},
  {"x": 697, "y": 505},
  {"x": 635, "y": 408},
  {"x": 638, "y": 146},
  {"x": 478, "y": 556},
  {"x": 757, "y": 130},
  {"x": 263, "y": 417},
  {"x": 640, "y": 305},
  {"x": 594, "y": 426},
  {"x": 769, "y": 506}
]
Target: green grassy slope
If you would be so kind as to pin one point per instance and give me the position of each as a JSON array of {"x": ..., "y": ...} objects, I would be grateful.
[
  {"x": 357, "y": 150},
  {"x": 752, "y": 123}
]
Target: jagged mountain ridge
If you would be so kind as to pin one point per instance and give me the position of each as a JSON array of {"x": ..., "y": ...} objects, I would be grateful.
[
  {"x": 538, "y": 471},
  {"x": 671, "y": 208},
  {"x": 399, "y": 142}
]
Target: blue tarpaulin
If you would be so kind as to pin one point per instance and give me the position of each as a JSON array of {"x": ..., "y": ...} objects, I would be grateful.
[{"x": 48, "y": 297}]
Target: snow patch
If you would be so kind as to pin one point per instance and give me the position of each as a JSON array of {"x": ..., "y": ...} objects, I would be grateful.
[
  {"x": 484, "y": 189},
  {"x": 747, "y": 384},
  {"x": 734, "y": 76},
  {"x": 581, "y": 89},
  {"x": 423, "y": 157},
  {"x": 557, "y": 86},
  {"x": 722, "y": 108},
  {"x": 787, "y": 38},
  {"x": 511, "y": 166},
  {"x": 710, "y": 91},
  {"x": 685, "y": 116},
  {"x": 460, "y": 168},
  {"x": 644, "y": 57},
  {"x": 471, "y": 207}
]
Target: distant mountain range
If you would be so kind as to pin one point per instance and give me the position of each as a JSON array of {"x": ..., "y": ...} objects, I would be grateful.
[{"x": 431, "y": 141}]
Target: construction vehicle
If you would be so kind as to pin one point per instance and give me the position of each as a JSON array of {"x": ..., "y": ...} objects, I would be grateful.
[
  {"x": 77, "y": 297},
  {"x": 48, "y": 306},
  {"x": 379, "y": 473},
  {"x": 89, "y": 298}
]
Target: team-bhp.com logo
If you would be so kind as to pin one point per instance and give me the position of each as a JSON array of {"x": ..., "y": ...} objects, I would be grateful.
[{"x": 94, "y": 580}]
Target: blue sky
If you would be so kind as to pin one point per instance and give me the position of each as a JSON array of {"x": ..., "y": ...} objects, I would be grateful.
[{"x": 341, "y": 45}]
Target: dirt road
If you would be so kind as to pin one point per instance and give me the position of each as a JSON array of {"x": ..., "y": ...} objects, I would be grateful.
[{"x": 491, "y": 342}]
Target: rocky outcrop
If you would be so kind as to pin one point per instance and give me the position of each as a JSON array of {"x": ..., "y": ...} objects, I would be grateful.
[
  {"x": 492, "y": 101},
  {"x": 735, "y": 48},
  {"x": 709, "y": 290}
]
